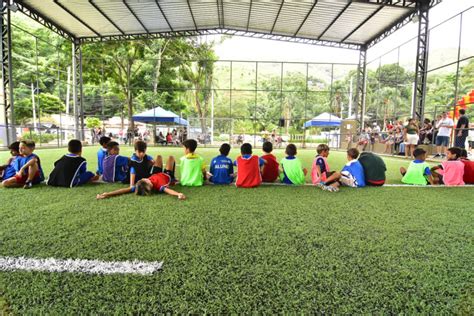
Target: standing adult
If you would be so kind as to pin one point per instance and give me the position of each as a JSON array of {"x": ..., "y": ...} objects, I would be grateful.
[
  {"x": 443, "y": 139},
  {"x": 411, "y": 137},
  {"x": 462, "y": 130}
]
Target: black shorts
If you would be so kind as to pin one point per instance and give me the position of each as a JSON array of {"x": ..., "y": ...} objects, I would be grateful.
[{"x": 155, "y": 170}]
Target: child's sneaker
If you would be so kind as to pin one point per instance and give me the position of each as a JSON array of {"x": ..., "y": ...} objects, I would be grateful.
[
  {"x": 320, "y": 185},
  {"x": 329, "y": 188},
  {"x": 28, "y": 185}
]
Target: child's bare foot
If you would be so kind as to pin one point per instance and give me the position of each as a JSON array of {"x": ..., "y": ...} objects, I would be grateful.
[
  {"x": 181, "y": 196},
  {"x": 95, "y": 178},
  {"x": 101, "y": 196}
]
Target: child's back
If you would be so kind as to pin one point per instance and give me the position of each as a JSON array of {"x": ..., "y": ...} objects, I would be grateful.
[
  {"x": 468, "y": 177},
  {"x": 374, "y": 168},
  {"x": 114, "y": 168},
  {"x": 270, "y": 170},
  {"x": 292, "y": 171},
  {"x": 355, "y": 169},
  {"x": 191, "y": 167},
  {"x": 222, "y": 169},
  {"x": 324, "y": 169},
  {"x": 102, "y": 153},
  {"x": 417, "y": 172},
  {"x": 66, "y": 170},
  {"x": 248, "y": 171},
  {"x": 452, "y": 172}
]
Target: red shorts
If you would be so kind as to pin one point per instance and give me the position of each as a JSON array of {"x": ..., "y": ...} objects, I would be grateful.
[
  {"x": 21, "y": 179},
  {"x": 160, "y": 181}
]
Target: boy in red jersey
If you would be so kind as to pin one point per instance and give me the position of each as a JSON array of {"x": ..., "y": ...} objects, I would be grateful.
[
  {"x": 248, "y": 168},
  {"x": 270, "y": 170},
  {"x": 159, "y": 182},
  {"x": 468, "y": 168}
]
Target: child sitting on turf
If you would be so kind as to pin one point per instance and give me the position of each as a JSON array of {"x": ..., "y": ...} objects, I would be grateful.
[
  {"x": 320, "y": 169},
  {"x": 158, "y": 182},
  {"x": 451, "y": 171},
  {"x": 221, "y": 169},
  {"x": 292, "y": 172},
  {"x": 418, "y": 171},
  {"x": 102, "y": 153},
  {"x": 9, "y": 169},
  {"x": 374, "y": 169},
  {"x": 248, "y": 168},
  {"x": 71, "y": 169},
  {"x": 192, "y": 169},
  {"x": 114, "y": 166},
  {"x": 29, "y": 168},
  {"x": 270, "y": 171},
  {"x": 468, "y": 177},
  {"x": 140, "y": 164},
  {"x": 352, "y": 175}
]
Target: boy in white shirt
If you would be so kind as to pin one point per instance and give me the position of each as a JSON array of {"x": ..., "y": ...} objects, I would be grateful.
[{"x": 443, "y": 139}]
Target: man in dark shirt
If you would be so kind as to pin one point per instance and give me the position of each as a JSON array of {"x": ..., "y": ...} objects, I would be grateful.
[{"x": 461, "y": 130}]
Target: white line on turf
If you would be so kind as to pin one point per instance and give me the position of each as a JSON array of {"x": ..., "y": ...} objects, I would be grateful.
[{"x": 79, "y": 265}]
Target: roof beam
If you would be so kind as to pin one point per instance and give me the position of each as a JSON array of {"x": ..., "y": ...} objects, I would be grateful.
[
  {"x": 306, "y": 17},
  {"x": 390, "y": 3},
  {"x": 192, "y": 15},
  {"x": 164, "y": 15},
  {"x": 250, "y": 12},
  {"x": 222, "y": 10},
  {"x": 105, "y": 16},
  {"x": 278, "y": 15},
  {"x": 363, "y": 23},
  {"x": 76, "y": 17},
  {"x": 136, "y": 17},
  {"x": 335, "y": 19},
  {"x": 219, "y": 13}
]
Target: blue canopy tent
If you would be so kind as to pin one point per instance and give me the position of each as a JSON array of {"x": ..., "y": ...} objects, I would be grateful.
[
  {"x": 159, "y": 115},
  {"x": 323, "y": 120}
]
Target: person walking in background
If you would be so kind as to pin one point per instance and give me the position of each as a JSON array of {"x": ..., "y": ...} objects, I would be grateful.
[
  {"x": 444, "y": 126},
  {"x": 461, "y": 130}
]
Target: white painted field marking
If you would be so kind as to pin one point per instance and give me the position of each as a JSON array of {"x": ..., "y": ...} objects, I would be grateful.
[{"x": 79, "y": 265}]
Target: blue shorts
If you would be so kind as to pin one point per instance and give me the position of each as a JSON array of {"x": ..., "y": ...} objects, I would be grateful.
[{"x": 442, "y": 141}]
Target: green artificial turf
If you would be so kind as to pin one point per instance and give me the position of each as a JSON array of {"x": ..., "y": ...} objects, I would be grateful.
[{"x": 225, "y": 250}]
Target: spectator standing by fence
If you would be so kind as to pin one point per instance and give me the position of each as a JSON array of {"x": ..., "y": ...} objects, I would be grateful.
[
  {"x": 462, "y": 130},
  {"x": 411, "y": 137},
  {"x": 443, "y": 139}
]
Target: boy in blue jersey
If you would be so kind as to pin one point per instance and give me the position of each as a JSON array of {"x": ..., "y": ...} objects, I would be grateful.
[
  {"x": 9, "y": 169},
  {"x": 222, "y": 169},
  {"x": 102, "y": 153},
  {"x": 29, "y": 168},
  {"x": 352, "y": 175}
]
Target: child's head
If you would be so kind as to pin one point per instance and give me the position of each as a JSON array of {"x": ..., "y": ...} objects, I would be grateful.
[
  {"x": 453, "y": 153},
  {"x": 463, "y": 153},
  {"x": 140, "y": 149},
  {"x": 225, "y": 149},
  {"x": 27, "y": 147},
  {"x": 419, "y": 154},
  {"x": 14, "y": 148},
  {"x": 190, "y": 146},
  {"x": 246, "y": 149},
  {"x": 143, "y": 187},
  {"x": 74, "y": 146},
  {"x": 113, "y": 148},
  {"x": 291, "y": 150},
  {"x": 267, "y": 147},
  {"x": 323, "y": 150},
  {"x": 103, "y": 141},
  {"x": 352, "y": 153}
]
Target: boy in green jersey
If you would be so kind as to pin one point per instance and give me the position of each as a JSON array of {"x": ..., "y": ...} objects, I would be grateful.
[
  {"x": 292, "y": 172},
  {"x": 192, "y": 168},
  {"x": 418, "y": 172}
]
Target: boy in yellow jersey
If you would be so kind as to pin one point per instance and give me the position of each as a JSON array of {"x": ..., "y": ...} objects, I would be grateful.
[{"x": 192, "y": 168}]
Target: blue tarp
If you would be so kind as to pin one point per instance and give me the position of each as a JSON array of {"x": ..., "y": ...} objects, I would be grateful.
[
  {"x": 159, "y": 115},
  {"x": 324, "y": 120}
]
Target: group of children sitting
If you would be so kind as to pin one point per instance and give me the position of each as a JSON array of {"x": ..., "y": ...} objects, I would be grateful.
[{"x": 146, "y": 175}]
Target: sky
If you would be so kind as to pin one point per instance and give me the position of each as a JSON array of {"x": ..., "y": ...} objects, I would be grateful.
[{"x": 252, "y": 49}]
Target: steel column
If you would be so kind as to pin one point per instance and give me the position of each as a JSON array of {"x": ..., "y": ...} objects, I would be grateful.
[
  {"x": 7, "y": 115},
  {"x": 361, "y": 86},
  {"x": 423, "y": 8},
  {"x": 77, "y": 89}
]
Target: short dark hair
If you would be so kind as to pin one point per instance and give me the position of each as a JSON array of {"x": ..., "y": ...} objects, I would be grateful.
[
  {"x": 225, "y": 149},
  {"x": 321, "y": 148},
  {"x": 74, "y": 146},
  {"x": 267, "y": 147},
  {"x": 14, "y": 146},
  {"x": 455, "y": 151},
  {"x": 462, "y": 111},
  {"x": 419, "y": 152},
  {"x": 143, "y": 188},
  {"x": 29, "y": 143},
  {"x": 463, "y": 153},
  {"x": 291, "y": 150},
  {"x": 140, "y": 145},
  {"x": 111, "y": 145},
  {"x": 104, "y": 140},
  {"x": 190, "y": 144},
  {"x": 353, "y": 153},
  {"x": 246, "y": 149}
]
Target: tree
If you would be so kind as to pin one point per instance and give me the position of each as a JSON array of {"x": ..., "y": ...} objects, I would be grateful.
[{"x": 93, "y": 122}]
